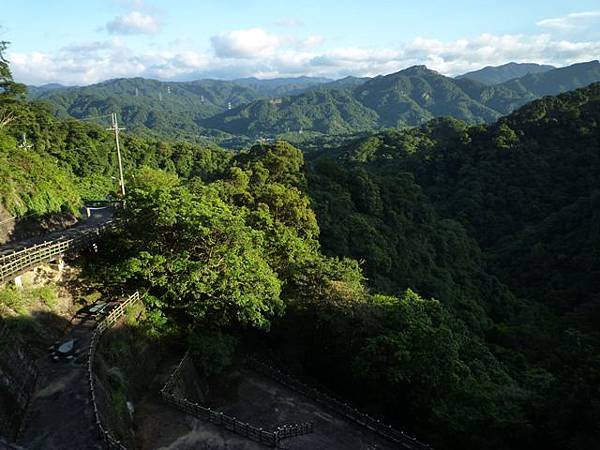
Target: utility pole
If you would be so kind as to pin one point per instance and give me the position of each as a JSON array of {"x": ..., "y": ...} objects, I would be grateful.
[{"x": 116, "y": 129}]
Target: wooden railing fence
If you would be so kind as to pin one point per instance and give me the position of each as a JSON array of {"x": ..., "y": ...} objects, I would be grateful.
[
  {"x": 111, "y": 318},
  {"x": 20, "y": 261},
  {"x": 338, "y": 406},
  {"x": 271, "y": 438}
]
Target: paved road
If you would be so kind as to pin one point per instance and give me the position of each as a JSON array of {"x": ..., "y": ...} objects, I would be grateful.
[
  {"x": 60, "y": 416},
  {"x": 99, "y": 217}
]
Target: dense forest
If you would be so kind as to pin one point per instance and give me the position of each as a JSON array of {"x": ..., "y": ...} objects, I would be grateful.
[
  {"x": 443, "y": 277},
  {"x": 500, "y": 224}
]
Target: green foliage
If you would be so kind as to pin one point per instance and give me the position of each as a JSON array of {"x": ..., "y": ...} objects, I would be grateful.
[
  {"x": 34, "y": 183},
  {"x": 197, "y": 253},
  {"x": 213, "y": 352},
  {"x": 420, "y": 356},
  {"x": 47, "y": 295},
  {"x": 500, "y": 224},
  {"x": 9, "y": 89},
  {"x": 70, "y": 161},
  {"x": 387, "y": 222},
  {"x": 13, "y": 299}
]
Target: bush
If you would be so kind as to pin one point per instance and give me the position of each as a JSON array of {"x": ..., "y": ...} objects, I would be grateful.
[{"x": 212, "y": 351}]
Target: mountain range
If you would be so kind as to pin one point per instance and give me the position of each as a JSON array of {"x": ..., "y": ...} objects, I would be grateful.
[
  {"x": 406, "y": 98},
  {"x": 252, "y": 107}
]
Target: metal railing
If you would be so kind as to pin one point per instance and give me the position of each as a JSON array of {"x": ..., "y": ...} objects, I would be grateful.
[
  {"x": 344, "y": 409},
  {"x": 111, "y": 318},
  {"x": 270, "y": 438}
]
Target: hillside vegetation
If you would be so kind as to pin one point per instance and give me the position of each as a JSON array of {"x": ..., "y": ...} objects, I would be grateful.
[
  {"x": 66, "y": 161},
  {"x": 499, "y": 223}
]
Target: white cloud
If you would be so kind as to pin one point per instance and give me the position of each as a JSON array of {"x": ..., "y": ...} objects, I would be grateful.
[
  {"x": 134, "y": 22},
  {"x": 571, "y": 21},
  {"x": 289, "y": 22},
  {"x": 312, "y": 41},
  {"x": 254, "y": 52},
  {"x": 249, "y": 43}
]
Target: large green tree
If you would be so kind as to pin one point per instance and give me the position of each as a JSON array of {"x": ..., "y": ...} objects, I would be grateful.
[{"x": 9, "y": 89}]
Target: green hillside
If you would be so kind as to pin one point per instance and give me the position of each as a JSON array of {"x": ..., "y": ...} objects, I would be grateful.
[
  {"x": 324, "y": 111},
  {"x": 499, "y": 74},
  {"x": 148, "y": 106}
]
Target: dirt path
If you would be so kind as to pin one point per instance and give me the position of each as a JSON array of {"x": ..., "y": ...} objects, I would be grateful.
[{"x": 60, "y": 416}]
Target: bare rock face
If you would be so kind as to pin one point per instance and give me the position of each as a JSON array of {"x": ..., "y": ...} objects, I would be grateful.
[
  {"x": 14, "y": 229},
  {"x": 7, "y": 225}
]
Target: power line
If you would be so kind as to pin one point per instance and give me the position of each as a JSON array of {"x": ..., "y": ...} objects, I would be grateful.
[{"x": 96, "y": 117}]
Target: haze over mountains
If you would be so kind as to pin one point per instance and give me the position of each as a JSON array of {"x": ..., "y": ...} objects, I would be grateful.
[{"x": 252, "y": 107}]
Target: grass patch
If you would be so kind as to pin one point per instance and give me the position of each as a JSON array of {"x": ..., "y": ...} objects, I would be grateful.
[
  {"x": 91, "y": 298},
  {"x": 15, "y": 299},
  {"x": 20, "y": 299},
  {"x": 47, "y": 295},
  {"x": 134, "y": 314},
  {"x": 119, "y": 405}
]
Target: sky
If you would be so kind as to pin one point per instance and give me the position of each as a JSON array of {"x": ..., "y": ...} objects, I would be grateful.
[{"x": 79, "y": 42}]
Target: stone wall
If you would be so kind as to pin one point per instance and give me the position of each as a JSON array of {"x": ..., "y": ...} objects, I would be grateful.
[{"x": 18, "y": 374}]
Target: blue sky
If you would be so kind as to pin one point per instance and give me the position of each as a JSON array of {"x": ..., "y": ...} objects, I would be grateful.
[{"x": 81, "y": 42}]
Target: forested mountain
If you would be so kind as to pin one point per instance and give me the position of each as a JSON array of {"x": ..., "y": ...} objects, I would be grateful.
[
  {"x": 168, "y": 109},
  {"x": 499, "y": 74},
  {"x": 324, "y": 110},
  {"x": 35, "y": 91},
  {"x": 406, "y": 98},
  {"x": 558, "y": 80},
  {"x": 503, "y": 179},
  {"x": 64, "y": 162},
  {"x": 417, "y": 94},
  {"x": 346, "y": 82}
]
